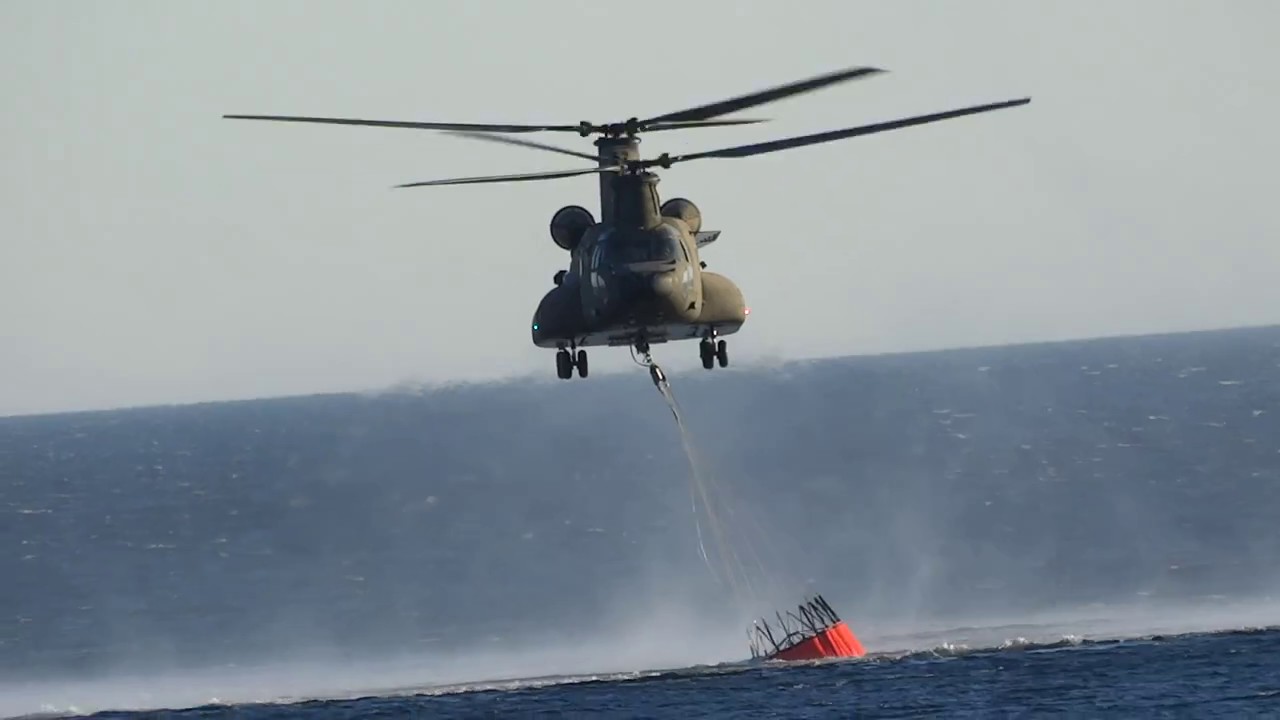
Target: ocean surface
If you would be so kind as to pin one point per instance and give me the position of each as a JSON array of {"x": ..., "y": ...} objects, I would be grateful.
[{"x": 1085, "y": 527}]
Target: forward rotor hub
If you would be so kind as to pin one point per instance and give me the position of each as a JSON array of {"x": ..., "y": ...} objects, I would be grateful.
[{"x": 631, "y": 127}]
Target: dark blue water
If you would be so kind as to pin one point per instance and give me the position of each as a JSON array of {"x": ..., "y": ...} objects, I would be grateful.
[
  {"x": 1008, "y": 530},
  {"x": 1221, "y": 675}
]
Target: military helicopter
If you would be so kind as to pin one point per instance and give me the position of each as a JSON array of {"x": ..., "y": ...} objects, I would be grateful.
[{"x": 636, "y": 276}]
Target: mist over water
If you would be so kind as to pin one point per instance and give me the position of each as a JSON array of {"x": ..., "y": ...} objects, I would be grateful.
[{"x": 314, "y": 545}]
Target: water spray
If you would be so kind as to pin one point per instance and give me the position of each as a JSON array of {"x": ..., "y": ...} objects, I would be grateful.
[{"x": 816, "y": 631}]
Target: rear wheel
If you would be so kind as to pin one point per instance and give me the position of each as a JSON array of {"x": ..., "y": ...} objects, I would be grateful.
[
  {"x": 582, "y": 363},
  {"x": 722, "y": 354}
]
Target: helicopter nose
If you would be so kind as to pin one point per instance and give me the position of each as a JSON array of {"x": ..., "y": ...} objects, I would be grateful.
[
  {"x": 670, "y": 295},
  {"x": 663, "y": 284}
]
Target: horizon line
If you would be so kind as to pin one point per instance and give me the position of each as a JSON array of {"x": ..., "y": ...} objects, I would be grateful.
[{"x": 442, "y": 385}]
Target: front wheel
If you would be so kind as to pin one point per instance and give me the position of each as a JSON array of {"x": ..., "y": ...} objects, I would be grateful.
[{"x": 564, "y": 365}]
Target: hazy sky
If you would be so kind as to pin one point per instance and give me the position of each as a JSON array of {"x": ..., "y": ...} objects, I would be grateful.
[{"x": 154, "y": 252}]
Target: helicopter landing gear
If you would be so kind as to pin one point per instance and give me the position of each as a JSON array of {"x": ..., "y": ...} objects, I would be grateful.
[
  {"x": 713, "y": 352},
  {"x": 566, "y": 362}
]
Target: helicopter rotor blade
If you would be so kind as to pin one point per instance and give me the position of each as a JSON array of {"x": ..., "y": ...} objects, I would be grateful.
[
  {"x": 822, "y": 137},
  {"x": 522, "y": 143},
  {"x": 700, "y": 123},
  {"x": 773, "y": 94},
  {"x": 583, "y": 128},
  {"x": 474, "y": 127},
  {"x": 515, "y": 178},
  {"x": 700, "y": 116}
]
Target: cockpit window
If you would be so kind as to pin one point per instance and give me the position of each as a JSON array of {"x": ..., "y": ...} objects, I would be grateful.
[
  {"x": 665, "y": 243},
  {"x": 661, "y": 244}
]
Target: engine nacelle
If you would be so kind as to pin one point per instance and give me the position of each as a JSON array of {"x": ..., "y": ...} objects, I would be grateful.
[
  {"x": 685, "y": 210},
  {"x": 568, "y": 225}
]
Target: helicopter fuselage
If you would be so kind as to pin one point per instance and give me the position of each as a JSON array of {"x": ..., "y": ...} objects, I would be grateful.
[{"x": 629, "y": 285}]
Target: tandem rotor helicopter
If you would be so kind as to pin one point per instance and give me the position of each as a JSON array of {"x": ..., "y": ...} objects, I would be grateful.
[{"x": 636, "y": 277}]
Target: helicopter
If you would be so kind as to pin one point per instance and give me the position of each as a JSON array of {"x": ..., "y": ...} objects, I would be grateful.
[{"x": 635, "y": 277}]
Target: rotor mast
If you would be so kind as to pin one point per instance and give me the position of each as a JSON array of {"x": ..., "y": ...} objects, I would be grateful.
[{"x": 613, "y": 151}]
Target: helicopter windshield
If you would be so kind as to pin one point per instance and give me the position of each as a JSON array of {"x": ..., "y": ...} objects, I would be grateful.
[{"x": 616, "y": 251}]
